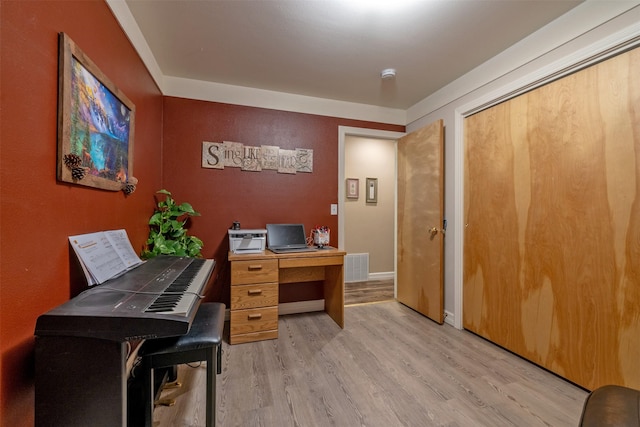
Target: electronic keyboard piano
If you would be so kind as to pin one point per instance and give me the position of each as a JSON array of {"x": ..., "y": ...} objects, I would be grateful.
[
  {"x": 159, "y": 298},
  {"x": 83, "y": 345}
]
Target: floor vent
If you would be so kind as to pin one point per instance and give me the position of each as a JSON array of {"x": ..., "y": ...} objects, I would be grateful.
[{"x": 356, "y": 268}]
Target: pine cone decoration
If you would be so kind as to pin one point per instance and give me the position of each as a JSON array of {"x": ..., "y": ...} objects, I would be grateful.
[
  {"x": 128, "y": 188},
  {"x": 77, "y": 173},
  {"x": 72, "y": 161}
]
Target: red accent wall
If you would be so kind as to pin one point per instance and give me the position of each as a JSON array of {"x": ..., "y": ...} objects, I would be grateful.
[
  {"x": 252, "y": 198},
  {"x": 37, "y": 213}
]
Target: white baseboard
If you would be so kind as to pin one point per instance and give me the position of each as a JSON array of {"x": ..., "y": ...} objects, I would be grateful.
[
  {"x": 301, "y": 307},
  {"x": 385, "y": 275},
  {"x": 449, "y": 318}
]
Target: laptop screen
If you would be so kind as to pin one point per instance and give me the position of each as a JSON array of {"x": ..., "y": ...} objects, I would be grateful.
[{"x": 286, "y": 235}]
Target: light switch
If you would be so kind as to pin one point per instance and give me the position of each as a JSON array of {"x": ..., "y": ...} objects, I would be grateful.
[{"x": 334, "y": 209}]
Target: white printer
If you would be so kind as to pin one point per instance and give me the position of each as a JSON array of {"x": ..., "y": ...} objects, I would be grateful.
[{"x": 247, "y": 241}]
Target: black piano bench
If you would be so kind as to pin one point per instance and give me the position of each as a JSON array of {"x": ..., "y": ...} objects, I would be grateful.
[
  {"x": 203, "y": 343},
  {"x": 611, "y": 406}
]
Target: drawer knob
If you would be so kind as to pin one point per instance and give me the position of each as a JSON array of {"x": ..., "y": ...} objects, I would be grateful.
[
  {"x": 255, "y": 267},
  {"x": 255, "y": 316},
  {"x": 255, "y": 291}
]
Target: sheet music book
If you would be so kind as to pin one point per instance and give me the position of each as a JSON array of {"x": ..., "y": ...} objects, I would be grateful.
[{"x": 104, "y": 255}]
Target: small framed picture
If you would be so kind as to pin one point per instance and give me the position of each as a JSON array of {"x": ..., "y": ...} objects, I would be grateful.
[
  {"x": 353, "y": 185},
  {"x": 372, "y": 190}
]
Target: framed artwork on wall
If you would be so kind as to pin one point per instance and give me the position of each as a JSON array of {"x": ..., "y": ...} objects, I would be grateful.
[
  {"x": 372, "y": 190},
  {"x": 353, "y": 185},
  {"x": 95, "y": 124}
]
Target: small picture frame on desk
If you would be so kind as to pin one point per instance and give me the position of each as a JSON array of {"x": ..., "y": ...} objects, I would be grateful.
[{"x": 353, "y": 185}]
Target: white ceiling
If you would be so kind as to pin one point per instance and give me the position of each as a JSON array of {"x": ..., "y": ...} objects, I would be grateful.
[{"x": 336, "y": 49}]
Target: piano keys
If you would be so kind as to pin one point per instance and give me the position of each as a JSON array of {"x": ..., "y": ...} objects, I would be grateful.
[{"x": 180, "y": 295}]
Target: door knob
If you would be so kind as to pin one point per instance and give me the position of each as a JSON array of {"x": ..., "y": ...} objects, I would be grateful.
[{"x": 433, "y": 230}]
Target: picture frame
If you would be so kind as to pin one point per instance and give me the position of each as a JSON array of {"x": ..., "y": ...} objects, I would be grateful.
[
  {"x": 96, "y": 124},
  {"x": 353, "y": 188},
  {"x": 372, "y": 190}
]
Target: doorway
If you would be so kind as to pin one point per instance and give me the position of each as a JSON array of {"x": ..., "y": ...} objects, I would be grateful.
[{"x": 367, "y": 153}]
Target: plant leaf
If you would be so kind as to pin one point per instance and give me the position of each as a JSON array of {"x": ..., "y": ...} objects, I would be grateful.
[
  {"x": 167, "y": 234},
  {"x": 188, "y": 209}
]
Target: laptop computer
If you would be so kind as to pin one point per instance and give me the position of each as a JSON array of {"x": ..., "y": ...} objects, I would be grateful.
[{"x": 287, "y": 238}]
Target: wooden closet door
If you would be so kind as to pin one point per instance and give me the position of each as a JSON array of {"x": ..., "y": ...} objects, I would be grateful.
[{"x": 552, "y": 224}]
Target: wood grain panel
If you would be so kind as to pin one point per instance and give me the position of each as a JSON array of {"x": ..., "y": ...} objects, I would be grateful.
[
  {"x": 254, "y": 336},
  {"x": 552, "y": 239},
  {"x": 310, "y": 259},
  {"x": 301, "y": 274},
  {"x": 334, "y": 293},
  {"x": 420, "y": 206},
  {"x": 627, "y": 218},
  {"x": 254, "y": 271},
  {"x": 253, "y": 320},
  {"x": 255, "y": 295}
]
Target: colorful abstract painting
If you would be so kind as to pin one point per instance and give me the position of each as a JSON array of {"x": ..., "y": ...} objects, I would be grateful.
[
  {"x": 95, "y": 125},
  {"x": 99, "y": 126}
]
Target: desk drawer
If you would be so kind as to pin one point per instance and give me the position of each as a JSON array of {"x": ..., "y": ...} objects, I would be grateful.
[
  {"x": 253, "y": 320},
  {"x": 254, "y": 295},
  {"x": 254, "y": 271},
  {"x": 254, "y": 336}
]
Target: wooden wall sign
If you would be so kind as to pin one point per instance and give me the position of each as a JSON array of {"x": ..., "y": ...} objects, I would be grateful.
[{"x": 218, "y": 155}]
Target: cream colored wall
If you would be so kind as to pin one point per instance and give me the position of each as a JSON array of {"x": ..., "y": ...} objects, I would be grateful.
[{"x": 369, "y": 227}]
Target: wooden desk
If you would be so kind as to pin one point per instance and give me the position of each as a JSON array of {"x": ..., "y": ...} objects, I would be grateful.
[{"x": 255, "y": 279}]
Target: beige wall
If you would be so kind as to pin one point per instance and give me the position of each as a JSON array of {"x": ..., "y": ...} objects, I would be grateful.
[{"x": 369, "y": 227}]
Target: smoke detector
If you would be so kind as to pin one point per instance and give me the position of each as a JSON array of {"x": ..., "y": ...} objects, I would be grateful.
[{"x": 388, "y": 73}]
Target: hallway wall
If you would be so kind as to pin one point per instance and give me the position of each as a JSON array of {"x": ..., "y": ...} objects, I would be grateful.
[{"x": 369, "y": 227}]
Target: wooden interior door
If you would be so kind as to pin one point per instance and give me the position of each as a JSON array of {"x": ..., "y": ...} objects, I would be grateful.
[{"x": 420, "y": 213}]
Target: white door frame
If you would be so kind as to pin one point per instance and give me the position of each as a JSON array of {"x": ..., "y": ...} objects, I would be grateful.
[{"x": 343, "y": 132}]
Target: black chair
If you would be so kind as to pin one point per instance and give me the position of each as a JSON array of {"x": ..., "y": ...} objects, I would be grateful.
[{"x": 203, "y": 343}]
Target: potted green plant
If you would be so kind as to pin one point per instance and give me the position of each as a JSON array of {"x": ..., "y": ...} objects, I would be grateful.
[{"x": 167, "y": 232}]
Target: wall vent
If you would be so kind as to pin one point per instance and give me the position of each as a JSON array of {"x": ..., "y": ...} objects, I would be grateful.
[{"x": 356, "y": 268}]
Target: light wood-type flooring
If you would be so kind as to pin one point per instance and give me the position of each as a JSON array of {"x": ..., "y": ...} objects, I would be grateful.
[
  {"x": 367, "y": 292},
  {"x": 389, "y": 367}
]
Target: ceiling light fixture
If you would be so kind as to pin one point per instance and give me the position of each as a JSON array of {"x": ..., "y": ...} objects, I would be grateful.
[
  {"x": 388, "y": 73},
  {"x": 382, "y": 5}
]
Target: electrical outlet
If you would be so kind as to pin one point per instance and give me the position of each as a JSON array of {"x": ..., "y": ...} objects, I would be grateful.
[{"x": 334, "y": 209}]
